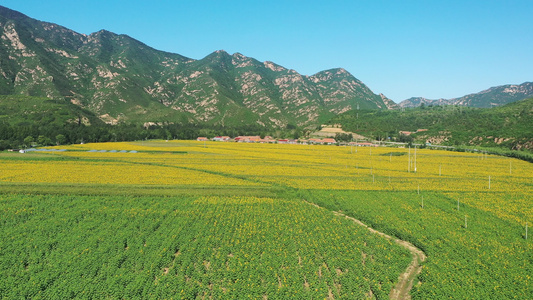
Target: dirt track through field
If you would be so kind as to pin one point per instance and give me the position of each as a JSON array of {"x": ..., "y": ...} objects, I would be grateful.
[{"x": 406, "y": 279}]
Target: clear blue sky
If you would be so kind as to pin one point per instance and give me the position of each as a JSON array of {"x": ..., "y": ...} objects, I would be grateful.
[{"x": 433, "y": 49}]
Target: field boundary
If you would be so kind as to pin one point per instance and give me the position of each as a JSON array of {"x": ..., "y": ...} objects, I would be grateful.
[{"x": 406, "y": 279}]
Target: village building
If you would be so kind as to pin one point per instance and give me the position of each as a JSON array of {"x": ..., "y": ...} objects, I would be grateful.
[
  {"x": 247, "y": 139},
  {"x": 315, "y": 141},
  {"x": 329, "y": 141},
  {"x": 221, "y": 138}
]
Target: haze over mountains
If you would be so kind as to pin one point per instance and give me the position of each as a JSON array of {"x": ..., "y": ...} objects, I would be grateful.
[{"x": 120, "y": 79}]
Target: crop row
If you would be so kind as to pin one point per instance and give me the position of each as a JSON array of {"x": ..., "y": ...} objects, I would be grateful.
[
  {"x": 245, "y": 247},
  {"x": 466, "y": 211}
]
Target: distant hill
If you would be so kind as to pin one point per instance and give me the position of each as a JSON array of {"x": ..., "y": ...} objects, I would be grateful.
[
  {"x": 120, "y": 79},
  {"x": 508, "y": 126},
  {"x": 495, "y": 96}
]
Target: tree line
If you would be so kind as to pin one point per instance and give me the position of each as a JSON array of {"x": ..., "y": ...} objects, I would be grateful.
[{"x": 31, "y": 135}]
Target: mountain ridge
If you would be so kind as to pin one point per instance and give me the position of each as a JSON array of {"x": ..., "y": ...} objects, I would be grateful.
[
  {"x": 494, "y": 96},
  {"x": 507, "y": 126},
  {"x": 121, "y": 79}
]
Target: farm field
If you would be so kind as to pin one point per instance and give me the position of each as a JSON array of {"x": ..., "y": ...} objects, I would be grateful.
[{"x": 194, "y": 220}]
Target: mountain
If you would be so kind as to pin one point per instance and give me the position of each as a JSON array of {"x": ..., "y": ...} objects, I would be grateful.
[
  {"x": 507, "y": 126},
  {"x": 418, "y": 101},
  {"x": 495, "y": 96},
  {"x": 120, "y": 79},
  {"x": 388, "y": 102}
]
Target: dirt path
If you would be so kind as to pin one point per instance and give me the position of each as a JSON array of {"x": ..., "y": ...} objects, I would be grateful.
[{"x": 406, "y": 279}]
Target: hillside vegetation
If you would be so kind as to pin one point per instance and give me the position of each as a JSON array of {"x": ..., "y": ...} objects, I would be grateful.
[
  {"x": 494, "y": 96},
  {"x": 508, "y": 126},
  {"x": 19, "y": 110},
  {"x": 33, "y": 121},
  {"x": 120, "y": 79}
]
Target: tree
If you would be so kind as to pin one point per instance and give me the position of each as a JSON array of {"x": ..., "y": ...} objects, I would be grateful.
[
  {"x": 405, "y": 138},
  {"x": 44, "y": 141},
  {"x": 61, "y": 139},
  {"x": 4, "y": 145},
  {"x": 343, "y": 137},
  {"x": 28, "y": 141}
]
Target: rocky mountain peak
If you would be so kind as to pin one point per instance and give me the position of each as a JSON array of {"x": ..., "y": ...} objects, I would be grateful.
[
  {"x": 273, "y": 66},
  {"x": 119, "y": 78}
]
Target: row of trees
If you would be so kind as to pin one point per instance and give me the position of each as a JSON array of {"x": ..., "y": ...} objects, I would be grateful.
[{"x": 26, "y": 135}]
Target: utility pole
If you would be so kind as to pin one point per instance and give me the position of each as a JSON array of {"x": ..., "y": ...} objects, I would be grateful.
[
  {"x": 409, "y": 166},
  {"x": 415, "y": 158}
]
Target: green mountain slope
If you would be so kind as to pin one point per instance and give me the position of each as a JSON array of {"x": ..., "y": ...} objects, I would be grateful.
[
  {"x": 495, "y": 96},
  {"x": 25, "y": 110},
  {"x": 120, "y": 79},
  {"x": 507, "y": 126}
]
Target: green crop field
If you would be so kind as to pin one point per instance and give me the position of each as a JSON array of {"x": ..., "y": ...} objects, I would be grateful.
[{"x": 188, "y": 220}]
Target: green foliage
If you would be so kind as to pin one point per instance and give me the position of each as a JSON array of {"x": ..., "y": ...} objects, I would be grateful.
[
  {"x": 508, "y": 126},
  {"x": 24, "y": 110},
  {"x": 187, "y": 247},
  {"x": 124, "y": 80},
  {"x": 61, "y": 139},
  {"x": 44, "y": 141},
  {"x": 343, "y": 137},
  {"x": 25, "y": 135},
  {"x": 393, "y": 154},
  {"x": 132, "y": 240},
  {"x": 494, "y": 96},
  {"x": 28, "y": 141},
  {"x": 488, "y": 260}
]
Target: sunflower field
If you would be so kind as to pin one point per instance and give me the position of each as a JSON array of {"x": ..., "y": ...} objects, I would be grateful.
[{"x": 195, "y": 220}]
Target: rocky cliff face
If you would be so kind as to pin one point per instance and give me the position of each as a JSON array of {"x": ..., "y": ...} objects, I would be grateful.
[
  {"x": 121, "y": 79},
  {"x": 388, "y": 102}
]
